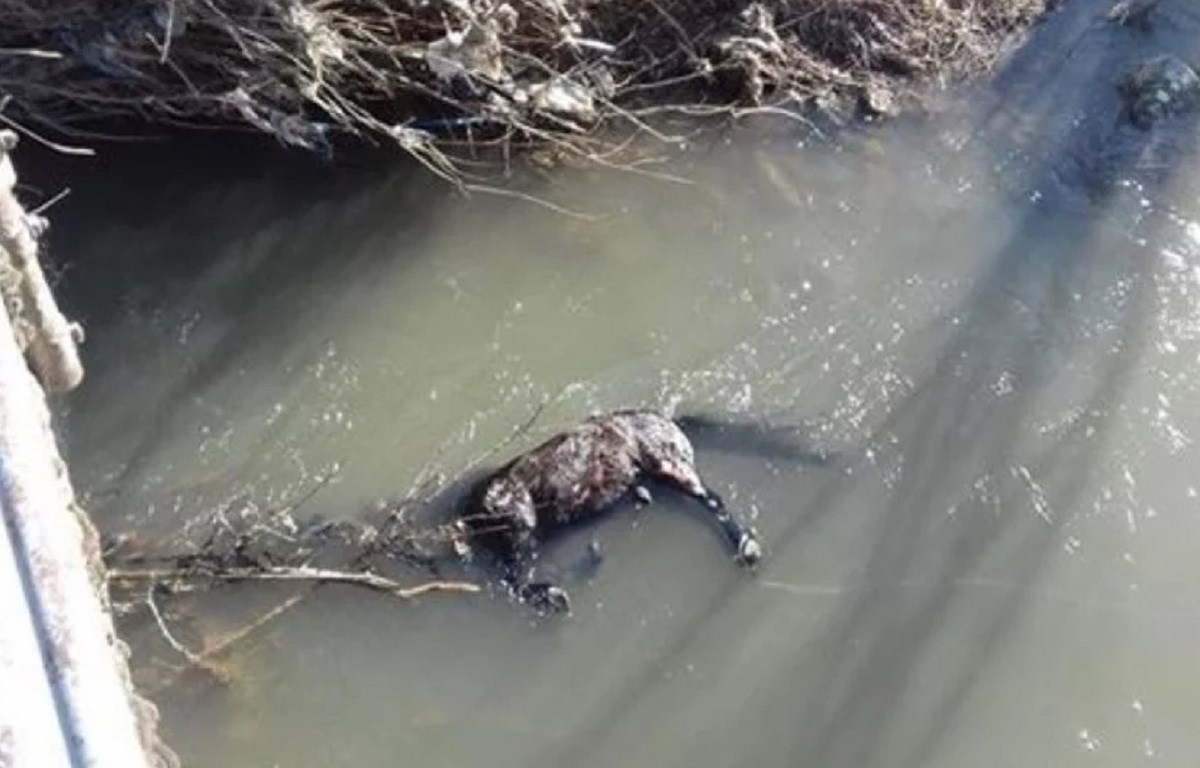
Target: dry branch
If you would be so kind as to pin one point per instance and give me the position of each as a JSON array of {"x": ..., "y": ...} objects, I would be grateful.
[
  {"x": 509, "y": 71},
  {"x": 290, "y": 573}
]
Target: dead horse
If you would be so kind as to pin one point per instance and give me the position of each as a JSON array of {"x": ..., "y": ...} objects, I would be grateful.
[{"x": 578, "y": 474}]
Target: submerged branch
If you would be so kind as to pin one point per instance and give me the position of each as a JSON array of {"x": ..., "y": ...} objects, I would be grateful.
[
  {"x": 183, "y": 650},
  {"x": 208, "y": 659}
]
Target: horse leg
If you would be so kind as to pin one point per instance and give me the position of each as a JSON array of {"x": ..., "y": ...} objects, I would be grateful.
[
  {"x": 742, "y": 539},
  {"x": 506, "y": 512},
  {"x": 517, "y": 571}
]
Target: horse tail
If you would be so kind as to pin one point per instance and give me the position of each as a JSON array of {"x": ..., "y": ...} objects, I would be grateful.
[{"x": 753, "y": 437}]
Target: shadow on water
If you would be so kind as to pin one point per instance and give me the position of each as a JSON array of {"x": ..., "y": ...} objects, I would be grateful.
[
  {"x": 272, "y": 200},
  {"x": 847, "y": 691}
]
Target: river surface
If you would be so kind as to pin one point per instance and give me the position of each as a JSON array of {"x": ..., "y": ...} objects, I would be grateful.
[{"x": 991, "y": 318}]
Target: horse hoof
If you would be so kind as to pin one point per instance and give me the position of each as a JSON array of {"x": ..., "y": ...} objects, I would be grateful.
[
  {"x": 595, "y": 551},
  {"x": 546, "y": 598},
  {"x": 749, "y": 552}
]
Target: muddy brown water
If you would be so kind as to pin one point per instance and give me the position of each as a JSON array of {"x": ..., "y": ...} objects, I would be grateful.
[{"x": 1001, "y": 571}]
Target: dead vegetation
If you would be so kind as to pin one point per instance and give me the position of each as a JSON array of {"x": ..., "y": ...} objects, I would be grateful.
[
  {"x": 245, "y": 542},
  {"x": 398, "y": 549},
  {"x": 433, "y": 74}
]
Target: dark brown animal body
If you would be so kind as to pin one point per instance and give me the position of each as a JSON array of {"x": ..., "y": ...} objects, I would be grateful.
[{"x": 578, "y": 474}]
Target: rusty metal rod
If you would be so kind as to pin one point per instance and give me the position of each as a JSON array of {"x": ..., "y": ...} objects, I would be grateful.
[
  {"x": 29, "y": 732},
  {"x": 59, "y": 634}
]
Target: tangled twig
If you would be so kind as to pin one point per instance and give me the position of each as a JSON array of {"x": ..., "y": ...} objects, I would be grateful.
[
  {"x": 244, "y": 541},
  {"x": 433, "y": 75}
]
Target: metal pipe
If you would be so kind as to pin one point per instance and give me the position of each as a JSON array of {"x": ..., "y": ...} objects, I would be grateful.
[
  {"x": 60, "y": 634},
  {"x": 29, "y": 732}
]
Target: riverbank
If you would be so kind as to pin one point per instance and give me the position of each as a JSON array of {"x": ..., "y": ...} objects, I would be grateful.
[{"x": 436, "y": 76}]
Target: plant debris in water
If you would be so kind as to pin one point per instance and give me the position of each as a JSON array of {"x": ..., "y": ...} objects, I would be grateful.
[
  {"x": 422, "y": 72},
  {"x": 245, "y": 541}
]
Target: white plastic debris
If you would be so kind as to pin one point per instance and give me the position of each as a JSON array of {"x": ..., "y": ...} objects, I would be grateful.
[
  {"x": 563, "y": 96},
  {"x": 475, "y": 50}
]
